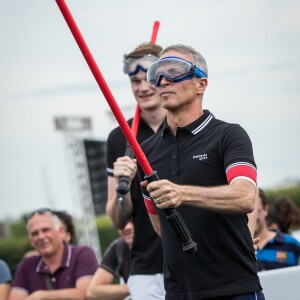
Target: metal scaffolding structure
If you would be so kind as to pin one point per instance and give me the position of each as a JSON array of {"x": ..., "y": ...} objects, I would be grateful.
[{"x": 74, "y": 130}]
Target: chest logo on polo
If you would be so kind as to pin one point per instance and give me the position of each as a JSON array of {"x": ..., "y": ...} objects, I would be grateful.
[
  {"x": 200, "y": 156},
  {"x": 281, "y": 256}
]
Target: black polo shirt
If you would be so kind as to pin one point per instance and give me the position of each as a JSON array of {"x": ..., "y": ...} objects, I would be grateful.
[
  {"x": 207, "y": 152},
  {"x": 146, "y": 251}
]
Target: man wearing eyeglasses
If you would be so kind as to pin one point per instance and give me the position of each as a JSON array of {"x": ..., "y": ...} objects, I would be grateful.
[
  {"x": 146, "y": 278},
  {"x": 60, "y": 271},
  {"x": 208, "y": 173}
]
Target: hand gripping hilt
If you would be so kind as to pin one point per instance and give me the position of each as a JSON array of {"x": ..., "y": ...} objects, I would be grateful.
[
  {"x": 177, "y": 223},
  {"x": 123, "y": 186}
]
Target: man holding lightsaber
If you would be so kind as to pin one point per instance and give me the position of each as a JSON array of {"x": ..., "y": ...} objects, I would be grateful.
[
  {"x": 146, "y": 279},
  {"x": 208, "y": 173},
  {"x": 188, "y": 281}
]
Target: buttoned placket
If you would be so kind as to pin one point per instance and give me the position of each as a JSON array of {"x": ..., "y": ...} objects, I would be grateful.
[{"x": 174, "y": 163}]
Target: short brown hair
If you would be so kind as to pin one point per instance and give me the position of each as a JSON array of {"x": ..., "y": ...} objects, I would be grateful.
[{"x": 143, "y": 49}]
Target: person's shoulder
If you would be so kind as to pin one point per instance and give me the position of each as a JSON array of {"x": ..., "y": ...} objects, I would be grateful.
[
  {"x": 285, "y": 238},
  {"x": 29, "y": 263},
  {"x": 83, "y": 253},
  {"x": 31, "y": 259},
  {"x": 119, "y": 242},
  {"x": 114, "y": 244},
  {"x": 5, "y": 274},
  {"x": 290, "y": 239},
  {"x": 81, "y": 248},
  {"x": 3, "y": 265},
  {"x": 230, "y": 129},
  {"x": 116, "y": 241},
  {"x": 117, "y": 130},
  {"x": 225, "y": 124}
]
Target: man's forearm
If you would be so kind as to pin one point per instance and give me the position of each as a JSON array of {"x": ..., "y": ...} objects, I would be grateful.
[
  {"x": 252, "y": 217},
  {"x": 120, "y": 218},
  {"x": 113, "y": 209},
  {"x": 155, "y": 223},
  {"x": 4, "y": 290},
  {"x": 108, "y": 292},
  {"x": 235, "y": 198},
  {"x": 239, "y": 197}
]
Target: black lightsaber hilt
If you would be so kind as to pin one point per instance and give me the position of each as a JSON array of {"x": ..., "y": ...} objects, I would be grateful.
[
  {"x": 176, "y": 222},
  {"x": 123, "y": 186}
]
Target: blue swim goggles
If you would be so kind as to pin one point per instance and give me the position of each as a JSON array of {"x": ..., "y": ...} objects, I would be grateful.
[
  {"x": 134, "y": 65},
  {"x": 174, "y": 68}
]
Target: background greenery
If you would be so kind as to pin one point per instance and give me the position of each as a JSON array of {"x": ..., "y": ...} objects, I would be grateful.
[
  {"x": 16, "y": 245},
  {"x": 293, "y": 192}
]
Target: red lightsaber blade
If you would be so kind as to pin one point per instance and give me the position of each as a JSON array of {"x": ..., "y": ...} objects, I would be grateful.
[
  {"x": 103, "y": 86},
  {"x": 123, "y": 185},
  {"x": 173, "y": 216},
  {"x": 154, "y": 32},
  {"x": 136, "y": 121},
  {"x": 137, "y": 115}
]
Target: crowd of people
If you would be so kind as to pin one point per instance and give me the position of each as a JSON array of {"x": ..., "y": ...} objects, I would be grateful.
[{"x": 209, "y": 178}]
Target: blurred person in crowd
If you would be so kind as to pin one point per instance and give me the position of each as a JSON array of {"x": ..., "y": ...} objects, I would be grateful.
[
  {"x": 67, "y": 221},
  {"x": 208, "y": 173},
  {"x": 288, "y": 214},
  {"x": 5, "y": 280},
  {"x": 272, "y": 218},
  {"x": 60, "y": 271},
  {"x": 284, "y": 215},
  {"x": 69, "y": 229},
  {"x": 275, "y": 248},
  {"x": 115, "y": 263},
  {"x": 146, "y": 278}
]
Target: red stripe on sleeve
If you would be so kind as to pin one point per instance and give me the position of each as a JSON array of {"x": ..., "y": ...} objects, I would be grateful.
[{"x": 241, "y": 171}]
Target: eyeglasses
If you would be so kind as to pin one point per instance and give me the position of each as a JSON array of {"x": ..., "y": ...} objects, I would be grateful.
[
  {"x": 174, "y": 68},
  {"x": 40, "y": 211},
  {"x": 134, "y": 65}
]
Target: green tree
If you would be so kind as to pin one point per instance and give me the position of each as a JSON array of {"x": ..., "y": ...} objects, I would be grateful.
[{"x": 293, "y": 192}]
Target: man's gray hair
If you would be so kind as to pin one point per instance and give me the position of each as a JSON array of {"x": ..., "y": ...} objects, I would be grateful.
[
  {"x": 55, "y": 218},
  {"x": 199, "y": 60},
  {"x": 57, "y": 221}
]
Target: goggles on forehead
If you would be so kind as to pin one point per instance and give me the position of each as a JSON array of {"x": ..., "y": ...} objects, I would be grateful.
[
  {"x": 174, "y": 68},
  {"x": 134, "y": 65}
]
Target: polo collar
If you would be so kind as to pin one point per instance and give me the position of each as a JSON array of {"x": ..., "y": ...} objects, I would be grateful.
[
  {"x": 196, "y": 126},
  {"x": 65, "y": 263},
  {"x": 278, "y": 238}
]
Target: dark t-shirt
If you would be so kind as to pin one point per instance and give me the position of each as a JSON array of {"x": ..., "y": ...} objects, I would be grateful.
[
  {"x": 146, "y": 251},
  {"x": 207, "y": 152},
  {"x": 116, "y": 259},
  {"x": 77, "y": 262}
]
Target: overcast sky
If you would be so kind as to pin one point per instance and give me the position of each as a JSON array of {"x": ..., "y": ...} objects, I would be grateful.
[{"x": 252, "y": 49}]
